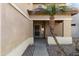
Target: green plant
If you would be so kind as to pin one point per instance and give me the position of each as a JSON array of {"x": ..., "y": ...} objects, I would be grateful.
[{"x": 51, "y": 10}]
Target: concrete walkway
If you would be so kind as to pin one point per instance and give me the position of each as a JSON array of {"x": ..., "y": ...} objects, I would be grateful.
[{"x": 40, "y": 48}]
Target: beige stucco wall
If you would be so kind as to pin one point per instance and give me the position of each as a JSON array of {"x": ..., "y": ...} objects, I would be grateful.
[
  {"x": 14, "y": 29},
  {"x": 39, "y": 17},
  {"x": 46, "y": 17},
  {"x": 61, "y": 40},
  {"x": 58, "y": 30},
  {"x": 25, "y": 6},
  {"x": 62, "y": 17},
  {"x": 0, "y": 29},
  {"x": 67, "y": 28}
]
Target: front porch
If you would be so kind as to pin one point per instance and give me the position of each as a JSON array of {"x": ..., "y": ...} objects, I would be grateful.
[
  {"x": 44, "y": 44},
  {"x": 41, "y": 31}
]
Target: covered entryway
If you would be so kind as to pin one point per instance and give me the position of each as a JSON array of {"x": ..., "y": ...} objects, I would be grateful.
[
  {"x": 40, "y": 40},
  {"x": 39, "y": 30}
]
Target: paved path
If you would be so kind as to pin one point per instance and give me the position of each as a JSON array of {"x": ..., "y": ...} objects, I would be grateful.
[{"x": 40, "y": 48}]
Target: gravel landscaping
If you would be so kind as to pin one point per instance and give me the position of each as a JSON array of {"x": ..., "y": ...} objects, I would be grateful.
[
  {"x": 53, "y": 50},
  {"x": 29, "y": 51},
  {"x": 70, "y": 50}
]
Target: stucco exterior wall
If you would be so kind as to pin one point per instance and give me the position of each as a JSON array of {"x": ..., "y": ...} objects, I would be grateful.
[
  {"x": 62, "y": 17},
  {"x": 14, "y": 29},
  {"x": 25, "y": 6},
  {"x": 58, "y": 29},
  {"x": 67, "y": 28},
  {"x": 75, "y": 29},
  {"x": 40, "y": 17},
  {"x": 66, "y": 31},
  {"x": 0, "y": 29},
  {"x": 46, "y": 17},
  {"x": 61, "y": 40}
]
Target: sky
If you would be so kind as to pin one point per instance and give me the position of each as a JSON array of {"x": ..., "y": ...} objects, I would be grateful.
[{"x": 75, "y": 5}]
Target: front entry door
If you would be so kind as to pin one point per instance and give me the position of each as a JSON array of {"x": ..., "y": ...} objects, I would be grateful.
[{"x": 39, "y": 30}]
